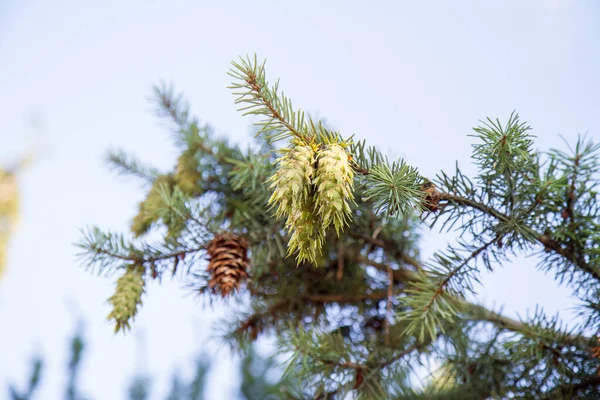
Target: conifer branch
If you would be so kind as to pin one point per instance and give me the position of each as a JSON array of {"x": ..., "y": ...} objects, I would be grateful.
[
  {"x": 517, "y": 200},
  {"x": 444, "y": 282},
  {"x": 394, "y": 188},
  {"x": 389, "y": 295},
  {"x": 472, "y": 311},
  {"x": 343, "y": 298},
  {"x": 474, "y": 204},
  {"x": 542, "y": 239},
  {"x": 126, "y": 164},
  {"x": 171, "y": 105},
  {"x": 259, "y": 99}
]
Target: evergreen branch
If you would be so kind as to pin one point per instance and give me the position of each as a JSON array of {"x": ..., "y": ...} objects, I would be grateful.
[
  {"x": 427, "y": 319},
  {"x": 145, "y": 260},
  {"x": 444, "y": 282},
  {"x": 126, "y": 164},
  {"x": 512, "y": 200},
  {"x": 389, "y": 294},
  {"x": 438, "y": 292},
  {"x": 364, "y": 160},
  {"x": 471, "y": 310},
  {"x": 474, "y": 204},
  {"x": 403, "y": 353},
  {"x": 503, "y": 153},
  {"x": 345, "y": 364},
  {"x": 344, "y": 370},
  {"x": 108, "y": 249},
  {"x": 253, "y": 324},
  {"x": 171, "y": 105},
  {"x": 281, "y": 119},
  {"x": 537, "y": 201},
  {"x": 364, "y": 379},
  {"x": 343, "y": 298},
  {"x": 395, "y": 188},
  {"x": 542, "y": 239},
  {"x": 480, "y": 313},
  {"x": 570, "y": 193},
  {"x": 370, "y": 368}
]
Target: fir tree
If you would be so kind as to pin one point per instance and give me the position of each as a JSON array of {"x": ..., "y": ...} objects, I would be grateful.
[{"x": 331, "y": 229}]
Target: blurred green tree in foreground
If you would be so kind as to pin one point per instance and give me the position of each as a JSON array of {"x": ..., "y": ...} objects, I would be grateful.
[
  {"x": 260, "y": 379},
  {"x": 313, "y": 238}
]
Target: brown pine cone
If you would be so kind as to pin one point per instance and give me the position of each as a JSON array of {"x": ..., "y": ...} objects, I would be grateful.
[{"x": 228, "y": 262}]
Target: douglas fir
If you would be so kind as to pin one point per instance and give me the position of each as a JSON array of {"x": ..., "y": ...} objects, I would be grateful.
[{"x": 312, "y": 238}]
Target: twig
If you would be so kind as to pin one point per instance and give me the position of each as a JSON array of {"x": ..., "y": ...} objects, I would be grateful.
[
  {"x": 389, "y": 304},
  {"x": 340, "y": 261},
  {"x": 543, "y": 239},
  {"x": 455, "y": 271}
]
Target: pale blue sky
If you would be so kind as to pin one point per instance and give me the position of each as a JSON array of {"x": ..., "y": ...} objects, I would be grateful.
[{"x": 412, "y": 77}]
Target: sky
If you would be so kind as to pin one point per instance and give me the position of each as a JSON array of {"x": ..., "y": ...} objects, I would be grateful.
[{"x": 411, "y": 77}]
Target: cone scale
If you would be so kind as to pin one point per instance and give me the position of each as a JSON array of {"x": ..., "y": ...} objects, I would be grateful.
[
  {"x": 228, "y": 263},
  {"x": 311, "y": 189}
]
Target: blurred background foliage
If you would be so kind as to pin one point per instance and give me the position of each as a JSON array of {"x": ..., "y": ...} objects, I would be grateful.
[{"x": 260, "y": 378}]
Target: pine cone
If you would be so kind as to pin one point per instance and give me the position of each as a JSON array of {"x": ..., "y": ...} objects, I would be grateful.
[
  {"x": 228, "y": 262},
  {"x": 127, "y": 297},
  {"x": 292, "y": 181},
  {"x": 307, "y": 234},
  {"x": 334, "y": 183},
  {"x": 431, "y": 200}
]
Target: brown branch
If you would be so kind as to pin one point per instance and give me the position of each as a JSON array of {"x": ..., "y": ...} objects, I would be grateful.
[
  {"x": 258, "y": 88},
  {"x": 543, "y": 239},
  {"x": 403, "y": 353},
  {"x": 570, "y": 195},
  {"x": 480, "y": 313},
  {"x": 451, "y": 198},
  {"x": 389, "y": 304},
  {"x": 358, "y": 169},
  {"x": 340, "y": 261},
  {"x": 343, "y": 298},
  {"x": 178, "y": 254},
  {"x": 553, "y": 245}
]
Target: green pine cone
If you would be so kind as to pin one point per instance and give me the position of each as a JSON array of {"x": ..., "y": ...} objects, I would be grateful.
[
  {"x": 127, "y": 297},
  {"x": 334, "y": 184},
  {"x": 292, "y": 180},
  {"x": 307, "y": 234}
]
